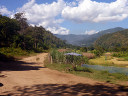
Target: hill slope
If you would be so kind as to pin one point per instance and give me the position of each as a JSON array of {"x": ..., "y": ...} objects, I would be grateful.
[
  {"x": 18, "y": 33},
  {"x": 86, "y": 40},
  {"x": 117, "y": 39},
  {"x": 92, "y": 38},
  {"x": 71, "y": 38}
]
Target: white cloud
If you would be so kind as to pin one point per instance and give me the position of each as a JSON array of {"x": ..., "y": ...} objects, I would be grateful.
[
  {"x": 4, "y": 11},
  {"x": 49, "y": 15},
  {"x": 93, "y": 11},
  {"x": 90, "y": 32},
  {"x": 59, "y": 30},
  {"x": 45, "y": 15}
]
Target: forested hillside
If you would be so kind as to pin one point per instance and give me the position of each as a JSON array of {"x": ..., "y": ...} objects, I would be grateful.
[
  {"x": 115, "y": 41},
  {"x": 17, "y": 33}
]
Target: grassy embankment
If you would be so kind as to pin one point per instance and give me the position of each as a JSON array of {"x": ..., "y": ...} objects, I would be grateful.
[
  {"x": 7, "y": 54},
  {"x": 58, "y": 63}
]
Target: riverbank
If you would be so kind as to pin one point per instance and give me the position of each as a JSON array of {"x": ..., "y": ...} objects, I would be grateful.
[{"x": 105, "y": 76}]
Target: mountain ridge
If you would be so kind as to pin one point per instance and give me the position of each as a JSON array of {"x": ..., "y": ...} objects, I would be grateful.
[
  {"x": 113, "y": 40},
  {"x": 86, "y": 40}
]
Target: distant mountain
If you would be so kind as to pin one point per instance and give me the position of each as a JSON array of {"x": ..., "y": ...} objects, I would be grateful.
[
  {"x": 117, "y": 39},
  {"x": 92, "y": 38},
  {"x": 86, "y": 40},
  {"x": 71, "y": 38}
]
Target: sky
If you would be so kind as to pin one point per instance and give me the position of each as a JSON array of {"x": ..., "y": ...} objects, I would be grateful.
[{"x": 70, "y": 16}]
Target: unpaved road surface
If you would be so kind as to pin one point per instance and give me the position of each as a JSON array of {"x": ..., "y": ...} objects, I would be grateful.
[{"x": 29, "y": 77}]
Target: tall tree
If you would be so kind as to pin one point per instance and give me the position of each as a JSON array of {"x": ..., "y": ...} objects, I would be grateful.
[
  {"x": 8, "y": 30},
  {"x": 22, "y": 21}
]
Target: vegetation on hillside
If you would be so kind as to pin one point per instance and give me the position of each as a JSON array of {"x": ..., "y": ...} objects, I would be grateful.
[
  {"x": 17, "y": 34},
  {"x": 117, "y": 41},
  {"x": 89, "y": 41}
]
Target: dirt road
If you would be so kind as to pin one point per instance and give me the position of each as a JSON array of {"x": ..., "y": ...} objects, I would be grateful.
[{"x": 29, "y": 77}]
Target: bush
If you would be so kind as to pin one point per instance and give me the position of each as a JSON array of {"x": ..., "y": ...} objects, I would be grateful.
[
  {"x": 83, "y": 49},
  {"x": 59, "y": 57},
  {"x": 84, "y": 69},
  {"x": 13, "y": 51},
  {"x": 97, "y": 52},
  {"x": 120, "y": 54}
]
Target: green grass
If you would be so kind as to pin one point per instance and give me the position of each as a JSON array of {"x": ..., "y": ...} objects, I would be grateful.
[
  {"x": 108, "y": 61},
  {"x": 123, "y": 58},
  {"x": 7, "y": 54},
  {"x": 120, "y": 54},
  {"x": 105, "y": 76},
  {"x": 101, "y": 61},
  {"x": 13, "y": 51}
]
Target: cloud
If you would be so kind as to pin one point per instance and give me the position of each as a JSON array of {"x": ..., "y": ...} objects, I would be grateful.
[
  {"x": 59, "y": 30},
  {"x": 90, "y": 32},
  {"x": 45, "y": 15},
  {"x": 52, "y": 15},
  {"x": 4, "y": 11},
  {"x": 92, "y": 11}
]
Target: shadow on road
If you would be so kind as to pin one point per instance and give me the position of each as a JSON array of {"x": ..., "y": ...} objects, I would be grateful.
[
  {"x": 68, "y": 90},
  {"x": 18, "y": 66},
  {"x": 8, "y": 63}
]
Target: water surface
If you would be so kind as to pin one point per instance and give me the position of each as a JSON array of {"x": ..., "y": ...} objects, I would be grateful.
[{"x": 111, "y": 69}]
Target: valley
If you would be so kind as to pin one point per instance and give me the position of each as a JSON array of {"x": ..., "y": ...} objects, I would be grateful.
[{"x": 34, "y": 61}]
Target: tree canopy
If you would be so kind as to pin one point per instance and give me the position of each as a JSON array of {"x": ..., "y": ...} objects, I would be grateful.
[{"x": 18, "y": 33}]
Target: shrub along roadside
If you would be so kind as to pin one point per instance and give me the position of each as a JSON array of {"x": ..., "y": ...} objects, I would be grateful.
[
  {"x": 13, "y": 51},
  {"x": 60, "y": 57},
  {"x": 10, "y": 53}
]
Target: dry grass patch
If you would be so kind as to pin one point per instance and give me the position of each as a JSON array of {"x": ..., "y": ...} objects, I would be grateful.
[
  {"x": 100, "y": 60},
  {"x": 89, "y": 55},
  {"x": 109, "y": 61},
  {"x": 63, "y": 50},
  {"x": 119, "y": 61}
]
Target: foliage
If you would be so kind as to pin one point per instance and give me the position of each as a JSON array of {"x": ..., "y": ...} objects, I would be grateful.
[
  {"x": 8, "y": 31},
  {"x": 120, "y": 54},
  {"x": 90, "y": 39},
  {"x": 22, "y": 22},
  {"x": 90, "y": 73},
  {"x": 13, "y": 51},
  {"x": 97, "y": 52},
  {"x": 83, "y": 49},
  {"x": 59, "y": 57},
  {"x": 117, "y": 41},
  {"x": 17, "y": 33}
]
